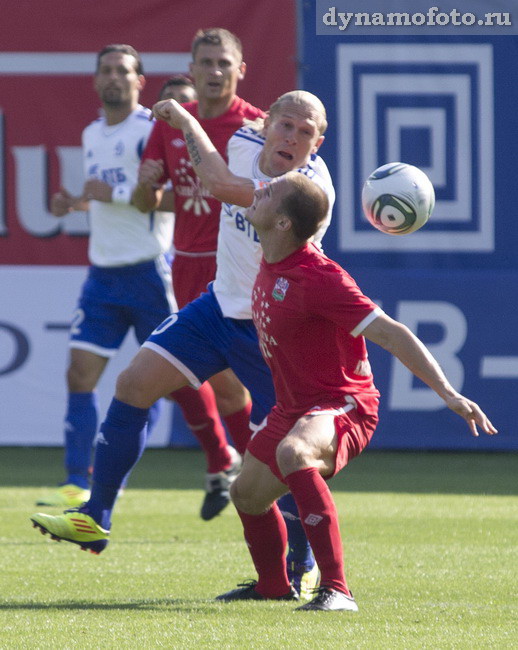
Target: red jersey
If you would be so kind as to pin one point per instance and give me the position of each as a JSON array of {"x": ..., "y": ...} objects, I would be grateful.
[
  {"x": 309, "y": 314},
  {"x": 197, "y": 212}
]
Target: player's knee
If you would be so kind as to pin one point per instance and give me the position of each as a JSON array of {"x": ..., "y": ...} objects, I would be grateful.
[
  {"x": 231, "y": 403},
  {"x": 293, "y": 454},
  {"x": 238, "y": 496},
  {"x": 245, "y": 500},
  {"x": 131, "y": 390},
  {"x": 80, "y": 379},
  {"x": 231, "y": 395}
]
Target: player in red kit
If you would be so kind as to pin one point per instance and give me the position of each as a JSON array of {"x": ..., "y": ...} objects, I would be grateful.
[
  {"x": 312, "y": 320},
  {"x": 216, "y": 69}
]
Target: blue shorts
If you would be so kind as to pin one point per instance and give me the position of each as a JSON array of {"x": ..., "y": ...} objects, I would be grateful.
[
  {"x": 114, "y": 299},
  {"x": 201, "y": 342}
]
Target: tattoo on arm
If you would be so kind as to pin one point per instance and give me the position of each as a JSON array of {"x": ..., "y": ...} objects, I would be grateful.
[{"x": 192, "y": 148}]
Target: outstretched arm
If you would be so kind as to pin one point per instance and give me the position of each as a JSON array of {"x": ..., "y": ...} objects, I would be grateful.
[
  {"x": 397, "y": 339},
  {"x": 207, "y": 162}
]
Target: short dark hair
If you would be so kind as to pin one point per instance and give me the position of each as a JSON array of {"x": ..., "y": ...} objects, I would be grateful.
[
  {"x": 123, "y": 49},
  {"x": 305, "y": 204},
  {"x": 177, "y": 80},
  {"x": 216, "y": 36}
]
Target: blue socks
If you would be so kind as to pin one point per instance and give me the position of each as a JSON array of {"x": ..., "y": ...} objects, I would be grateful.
[
  {"x": 119, "y": 447},
  {"x": 80, "y": 429},
  {"x": 154, "y": 414},
  {"x": 299, "y": 550}
]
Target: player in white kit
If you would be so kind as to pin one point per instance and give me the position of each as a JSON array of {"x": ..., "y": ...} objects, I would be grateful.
[
  {"x": 215, "y": 331},
  {"x": 129, "y": 280}
]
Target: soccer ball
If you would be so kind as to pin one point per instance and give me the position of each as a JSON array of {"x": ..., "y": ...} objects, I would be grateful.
[{"x": 398, "y": 198}]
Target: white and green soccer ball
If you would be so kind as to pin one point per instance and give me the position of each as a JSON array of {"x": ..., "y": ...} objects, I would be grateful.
[{"x": 398, "y": 198}]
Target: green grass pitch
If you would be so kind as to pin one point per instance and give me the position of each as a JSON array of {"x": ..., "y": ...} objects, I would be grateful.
[{"x": 430, "y": 545}]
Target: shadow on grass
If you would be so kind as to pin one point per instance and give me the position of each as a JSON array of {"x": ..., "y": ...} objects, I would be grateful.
[
  {"x": 373, "y": 471},
  {"x": 153, "y": 604}
]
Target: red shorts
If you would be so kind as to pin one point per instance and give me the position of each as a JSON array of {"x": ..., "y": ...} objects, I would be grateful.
[
  {"x": 191, "y": 275},
  {"x": 353, "y": 429}
]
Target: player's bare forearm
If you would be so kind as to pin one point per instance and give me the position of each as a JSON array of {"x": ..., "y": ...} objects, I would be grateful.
[
  {"x": 167, "y": 202},
  {"x": 208, "y": 164},
  {"x": 397, "y": 339},
  {"x": 146, "y": 198},
  {"x": 213, "y": 171},
  {"x": 80, "y": 205}
]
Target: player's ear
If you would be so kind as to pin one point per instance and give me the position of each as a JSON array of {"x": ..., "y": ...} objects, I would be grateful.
[
  {"x": 266, "y": 124},
  {"x": 141, "y": 82},
  {"x": 242, "y": 71},
  {"x": 284, "y": 223},
  {"x": 318, "y": 144},
  {"x": 95, "y": 80}
]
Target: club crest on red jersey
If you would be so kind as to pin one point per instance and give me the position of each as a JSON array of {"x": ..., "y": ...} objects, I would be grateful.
[{"x": 280, "y": 288}]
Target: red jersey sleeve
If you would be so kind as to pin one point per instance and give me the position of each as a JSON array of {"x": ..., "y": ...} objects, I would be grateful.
[{"x": 334, "y": 295}]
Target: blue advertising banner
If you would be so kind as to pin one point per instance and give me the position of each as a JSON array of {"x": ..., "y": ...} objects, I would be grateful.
[
  {"x": 468, "y": 321},
  {"x": 445, "y": 102}
]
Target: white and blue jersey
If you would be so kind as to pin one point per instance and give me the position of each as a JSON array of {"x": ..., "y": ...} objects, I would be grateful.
[
  {"x": 216, "y": 331},
  {"x": 239, "y": 249},
  {"x": 119, "y": 233},
  {"x": 129, "y": 284}
]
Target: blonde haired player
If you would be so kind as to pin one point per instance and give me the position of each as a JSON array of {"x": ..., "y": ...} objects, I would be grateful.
[{"x": 215, "y": 331}]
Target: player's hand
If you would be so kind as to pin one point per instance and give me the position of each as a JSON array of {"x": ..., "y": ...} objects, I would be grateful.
[
  {"x": 472, "y": 413},
  {"x": 61, "y": 203},
  {"x": 172, "y": 112},
  {"x": 97, "y": 190},
  {"x": 150, "y": 171}
]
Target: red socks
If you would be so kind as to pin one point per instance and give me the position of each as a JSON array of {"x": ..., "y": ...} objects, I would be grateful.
[
  {"x": 201, "y": 414},
  {"x": 319, "y": 517},
  {"x": 266, "y": 537},
  {"x": 202, "y": 417},
  {"x": 238, "y": 425}
]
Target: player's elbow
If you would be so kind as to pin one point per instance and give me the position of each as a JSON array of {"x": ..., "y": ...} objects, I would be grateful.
[{"x": 396, "y": 338}]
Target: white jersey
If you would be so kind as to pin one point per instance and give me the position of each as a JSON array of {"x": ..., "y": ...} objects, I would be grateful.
[
  {"x": 119, "y": 233},
  {"x": 239, "y": 250}
]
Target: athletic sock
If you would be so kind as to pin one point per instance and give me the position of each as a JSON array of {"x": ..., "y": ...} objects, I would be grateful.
[
  {"x": 153, "y": 417},
  {"x": 202, "y": 417},
  {"x": 299, "y": 549},
  {"x": 266, "y": 538},
  {"x": 80, "y": 429},
  {"x": 238, "y": 426},
  {"x": 320, "y": 520},
  {"x": 119, "y": 446}
]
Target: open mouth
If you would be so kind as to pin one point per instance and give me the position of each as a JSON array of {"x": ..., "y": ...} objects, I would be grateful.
[{"x": 285, "y": 155}]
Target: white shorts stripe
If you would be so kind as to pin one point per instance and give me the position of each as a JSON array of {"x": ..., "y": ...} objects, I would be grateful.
[
  {"x": 190, "y": 376},
  {"x": 107, "y": 353}
]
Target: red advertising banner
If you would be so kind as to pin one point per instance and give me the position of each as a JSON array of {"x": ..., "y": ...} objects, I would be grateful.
[{"x": 47, "y": 59}]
